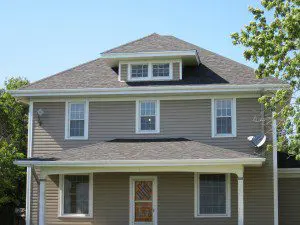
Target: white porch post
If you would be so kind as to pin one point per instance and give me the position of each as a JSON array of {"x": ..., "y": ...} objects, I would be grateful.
[
  {"x": 240, "y": 200},
  {"x": 42, "y": 202}
]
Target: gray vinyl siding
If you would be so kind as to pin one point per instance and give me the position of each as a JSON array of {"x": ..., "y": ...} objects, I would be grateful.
[
  {"x": 124, "y": 72},
  {"x": 176, "y": 71},
  {"x": 289, "y": 201},
  {"x": 179, "y": 118}
]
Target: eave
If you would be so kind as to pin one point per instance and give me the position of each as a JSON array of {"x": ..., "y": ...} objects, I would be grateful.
[{"x": 218, "y": 88}]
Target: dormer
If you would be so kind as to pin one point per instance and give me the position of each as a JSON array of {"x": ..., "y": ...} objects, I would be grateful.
[{"x": 161, "y": 62}]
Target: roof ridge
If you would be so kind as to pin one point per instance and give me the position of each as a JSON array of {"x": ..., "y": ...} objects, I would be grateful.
[
  {"x": 56, "y": 74},
  {"x": 131, "y": 42}
]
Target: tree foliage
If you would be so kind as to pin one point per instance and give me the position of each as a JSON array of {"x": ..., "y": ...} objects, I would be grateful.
[
  {"x": 13, "y": 144},
  {"x": 274, "y": 45}
]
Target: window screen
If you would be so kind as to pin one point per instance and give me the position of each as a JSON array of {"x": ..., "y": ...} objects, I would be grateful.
[
  {"x": 76, "y": 194},
  {"x": 212, "y": 194}
]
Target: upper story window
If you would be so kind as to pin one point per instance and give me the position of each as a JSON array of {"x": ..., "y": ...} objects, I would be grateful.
[
  {"x": 147, "y": 116},
  {"x": 223, "y": 117},
  {"x": 212, "y": 195},
  {"x": 76, "y": 194},
  {"x": 76, "y": 120}
]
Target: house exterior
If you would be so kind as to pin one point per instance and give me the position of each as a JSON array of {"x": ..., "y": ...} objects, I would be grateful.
[{"x": 152, "y": 132}]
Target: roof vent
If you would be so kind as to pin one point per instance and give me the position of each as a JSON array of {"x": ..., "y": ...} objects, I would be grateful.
[{"x": 257, "y": 140}]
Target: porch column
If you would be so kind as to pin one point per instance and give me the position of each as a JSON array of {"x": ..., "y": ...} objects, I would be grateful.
[
  {"x": 42, "y": 202},
  {"x": 240, "y": 200}
]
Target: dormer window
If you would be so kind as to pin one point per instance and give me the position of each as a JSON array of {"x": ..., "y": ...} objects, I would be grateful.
[
  {"x": 158, "y": 70},
  {"x": 139, "y": 70},
  {"x": 161, "y": 70}
]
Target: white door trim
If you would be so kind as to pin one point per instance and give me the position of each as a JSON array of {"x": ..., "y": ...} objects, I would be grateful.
[{"x": 131, "y": 195}]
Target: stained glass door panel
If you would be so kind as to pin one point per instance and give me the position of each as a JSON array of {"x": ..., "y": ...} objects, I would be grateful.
[{"x": 143, "y": 202}]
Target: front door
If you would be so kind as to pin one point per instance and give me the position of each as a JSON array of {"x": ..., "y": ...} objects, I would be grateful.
[{"x": 143, "y": 200}]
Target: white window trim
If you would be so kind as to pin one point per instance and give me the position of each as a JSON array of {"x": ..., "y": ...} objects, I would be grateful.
[
  {"x": 61, "y": 198},
  {"x": 197, "y": 202},
  {"x": 86, "y": 120},
  {"x": 138, "y": 121},
  {"x": 233, "y": 119},
  {"x": 150, "y": 70}
]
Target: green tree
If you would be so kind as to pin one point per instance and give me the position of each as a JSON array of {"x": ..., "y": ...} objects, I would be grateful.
[
  {"x": 13, "y": 144},
  {"x": 274, "y": 43}
]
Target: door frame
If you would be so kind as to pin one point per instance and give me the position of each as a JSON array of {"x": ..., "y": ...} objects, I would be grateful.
[{"x": 132, "y": 179}]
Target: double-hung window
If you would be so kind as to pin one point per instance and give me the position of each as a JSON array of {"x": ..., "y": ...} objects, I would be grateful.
[
  {"x": 147, "y": 116},
  {"x": 161, "y": 70},
  {"x": 212, "y": 195},
  {"x": 223, "y": 117},
  {"x": 76, "y": 195},
  {"x": 139, "y": 71},
  {"x": 76, "y": 120}
]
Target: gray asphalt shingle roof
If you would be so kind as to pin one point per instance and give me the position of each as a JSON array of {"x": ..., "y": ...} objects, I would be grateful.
[
  {"x": 143, "y": 149},
  {"x": 214, "y": 69}
]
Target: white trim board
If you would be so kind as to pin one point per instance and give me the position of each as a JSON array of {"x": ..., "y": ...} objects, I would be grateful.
[
  {"x": 289, "y": 172},
  {"x": 29, "y": 174},
  {"x": 151, "y": 163}
]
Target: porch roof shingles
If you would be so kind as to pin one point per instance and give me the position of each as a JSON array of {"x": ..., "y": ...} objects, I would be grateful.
[
  {"x": 213, "y": 69},
  {"x": 146, "y": 149}
]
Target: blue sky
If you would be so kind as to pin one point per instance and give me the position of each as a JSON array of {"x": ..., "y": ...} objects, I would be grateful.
[{"x": 40, "y": 38}]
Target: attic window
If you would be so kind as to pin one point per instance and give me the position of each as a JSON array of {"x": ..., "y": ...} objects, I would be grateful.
[{"x": 151, "y": 70}]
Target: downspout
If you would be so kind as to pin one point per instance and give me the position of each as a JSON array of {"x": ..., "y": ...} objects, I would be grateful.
[{"x": 275, "y": 169}]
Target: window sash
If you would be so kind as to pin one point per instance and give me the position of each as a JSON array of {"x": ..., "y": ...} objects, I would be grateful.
[
  {"x": 139, "y": 71},
  {"x": 223, "y": 117},
  {"x": 77, "y": 119},
  {"x": 161, "y": 70},
  {"x": 82, "y": 202},
  {"x": 211, "y": 189},
  {"x": 147, "y": 116}
]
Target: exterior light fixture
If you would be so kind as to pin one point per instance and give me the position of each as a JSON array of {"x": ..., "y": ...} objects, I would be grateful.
[{"x": 39, "y": 113}]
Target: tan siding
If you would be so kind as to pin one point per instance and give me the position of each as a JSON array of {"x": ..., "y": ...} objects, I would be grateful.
[
  {"x": 108, "y": 120},
  {"x": 289, "y": 201},
  {"x": 124, "y": 71},
  {"x": 176, "y": 71}
]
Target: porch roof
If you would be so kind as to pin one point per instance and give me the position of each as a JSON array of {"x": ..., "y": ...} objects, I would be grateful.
[{"x": 145, "y": 151}]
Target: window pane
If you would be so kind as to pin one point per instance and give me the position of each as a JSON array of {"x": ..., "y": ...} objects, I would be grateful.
[
  {"x": 138, "y": 71},
  {"x": 76, "y": 194},
  {"x": 212, "y": 193},
  {"x": 160, "y": 70},
  {"x": 76, "y": 128},
  {"x": 148, "y": 108},
  {"x": 147, "y": 122},
  {"x": 77, "y": 111},
  {"x": 224, "y": 125}
]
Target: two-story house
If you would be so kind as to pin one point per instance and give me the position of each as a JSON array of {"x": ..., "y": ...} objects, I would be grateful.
[{"x": 152, "y": 132}]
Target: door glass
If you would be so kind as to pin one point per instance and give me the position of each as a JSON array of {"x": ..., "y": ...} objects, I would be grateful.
[{"x": 143, "y": 201}]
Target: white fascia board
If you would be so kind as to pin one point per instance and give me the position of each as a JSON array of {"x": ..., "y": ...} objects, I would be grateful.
[
  {"x": 151, "y": 54},
  {"x": 138, "y": 163},
  {"x": 226, "y": 88}
]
